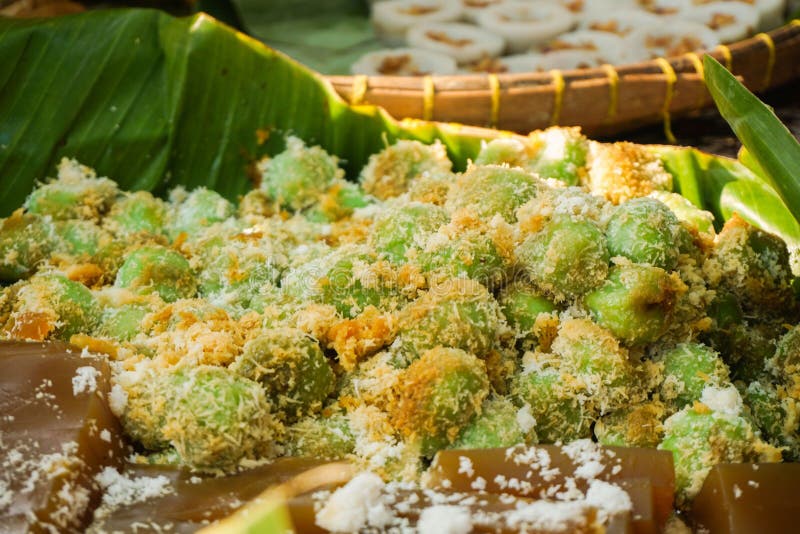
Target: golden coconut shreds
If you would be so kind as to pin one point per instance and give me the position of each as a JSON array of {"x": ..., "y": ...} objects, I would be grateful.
[
  {"x": 623, "y": 171},
  {"x": 356, "y": 339}
]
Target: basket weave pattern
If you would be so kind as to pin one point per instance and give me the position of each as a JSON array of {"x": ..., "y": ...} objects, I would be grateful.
[{"x": 602, "y": 100}]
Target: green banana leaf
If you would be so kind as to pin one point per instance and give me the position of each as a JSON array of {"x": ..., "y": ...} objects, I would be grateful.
[{"x": 155, "y": 101}]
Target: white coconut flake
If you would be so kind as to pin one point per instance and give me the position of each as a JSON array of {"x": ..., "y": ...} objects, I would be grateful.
[
  {"x": 118, "y": 400},
  {"x": 85, "y": 380},
  {"x": 465, "y": 466},
  {"x": 725, "y": 400},
  {"x": 525, "y": 419},
  {"x": 354, "y": 505},
  {"x": 608, "y": 497},
  {"x": 445, "y": 519}
]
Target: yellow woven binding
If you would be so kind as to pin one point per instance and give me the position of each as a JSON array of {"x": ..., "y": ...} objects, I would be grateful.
[
  {"x": 795, "y": 22},
  {"x": 558, "y": 98},
  {"x": 770, "y": 59},
  {"x": 701, "y": 72},
  {"x": 494, "y": 88},
  {"x": 429, "y": 92},
  {"x": 726, "y": 55},
  {"x": 613, "y": 91},
  {"x": 359, "y": 89},
  {"x": 671, "y": 77}
]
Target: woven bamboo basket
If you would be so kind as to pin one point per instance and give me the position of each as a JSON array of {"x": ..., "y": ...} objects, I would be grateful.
[{"x": 602, "y": 100}]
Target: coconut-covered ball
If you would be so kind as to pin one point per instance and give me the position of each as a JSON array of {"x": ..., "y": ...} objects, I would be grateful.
[
  {"x": 459, "y": 313},
  {"x": 328, "y": 438},
  {"x": 636, "y": 302},
  {"x": 192, "y": 212},
  {"x": 637, "y": 425},
  {"x": 157, "y": 269},
  {"x": 622, "y": 171},
  {"x": 51, "y": 306},
  {"x": 645, "y": 231},
  {"x": 529, "y": 312},
  {"x": 489, "y": 190},
  {"x": 291, "y": 368},
  {"x": 688, "y": 369},
  {"x": 437, "y": 395},
  {"x": 77, "y": 193},
  {"x": 297, "y": 177},
  {"x": 566, "y": 258},
  {"x": 500, "y": 424},
  {"x": 212, "y": 417},
  {"x": 137, "y": 213},
  {"x": 402, "y": 226},
  {"x": 390, "y": 172},
  {"x": 26, "y": 240}
]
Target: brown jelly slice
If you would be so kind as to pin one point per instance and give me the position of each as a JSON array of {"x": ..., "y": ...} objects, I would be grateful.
[
  {"x": 190, "y": 500},
  {"x": 551, "y": 472},
  {"x": 56, "y": 433},
  {"x": 489, "y": 513},
  {"x": 739, "y": 498}
]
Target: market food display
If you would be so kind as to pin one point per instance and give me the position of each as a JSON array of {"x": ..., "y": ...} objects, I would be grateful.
[
  {"x": 556, "y": 291},
  {"x": 538, "y": 35}
]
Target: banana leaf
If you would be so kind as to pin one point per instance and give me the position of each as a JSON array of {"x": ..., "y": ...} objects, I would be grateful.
[{"x": 155, "y": 101}]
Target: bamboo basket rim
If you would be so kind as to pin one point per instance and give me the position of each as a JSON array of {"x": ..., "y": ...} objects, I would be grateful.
[{"x": 444, "y": 98}]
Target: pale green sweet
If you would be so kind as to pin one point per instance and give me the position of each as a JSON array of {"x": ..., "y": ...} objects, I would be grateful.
[
  {"x": 699, "y": 220},
  {"x": 26, "y": 240},
  {"x": 645, "y": 231},
  {"x": 562, "y": 414},
  {"x": 688, "y": 369},
  {"x": 439, "y": 394},
  {"x": 635, "y": 303},
  {"x": 350, "y": 278},
  {"x": 776, "y": 414},
  {"x": 123, "y": 322},
  {"x": 81, "y": 239},
  {"x": 321, "y": 437},
  {"x": 700, "y": 438},
  {"x": 404, "y": 226},
  {"x": 297, "y": 177},
  {"x": 754, "y": 266},
  {"x": 340, "y": 201},
  {"x": 212, "y": 417},
  {"x": 76, "y": 194},
  {"x": 496, "y": 426},
  {"x": 291, "y": 368},
  {"x": 471, "y": 253},
  {"x": 786, "y": 360},
  {"x": 62, "y": 306},
  {"x": 489, "y": 190},
  {"x": 638, "y": 425},
  {"x": 458, "y": 313},
  {"x": 156, "y": 269},
  {"x": 522, "y": 304},
  {"x": 511, "y": 151},
  {"x": 566, "y": 258},
  {"x": 193, "y": 212},
  {"x": 137, "y": 212},
  {"x": 389, "y": 173},
  {"x": 594, "y": 357}
]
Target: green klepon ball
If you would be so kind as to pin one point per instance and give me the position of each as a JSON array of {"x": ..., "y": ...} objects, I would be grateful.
[
  {"x": 706, "y": 434},
  {"x": 645, "y": 231},
  {"x": 688, "y": 369},
  {"x": 786, "y": 360},
  {"x": 291, "y": 368},
  {"x": 498, "y": 425},
  {"x": 522, "y": 305},
  {"x": 156, "y": 269},
  {"x": 471, "y": 253},
  {"x": 490, "y": 190},
  {"x": 639, "y": 425},
  {"x": 405, "y": 225},
  {"x": 561, "y": 413},
  {"x": 138, "y": 212},
  {"x": 700, "y": 221},
  {"x": 458, "y": 313},
  {"x": 593, "y": 356},
  {"x": 123, "y": 323},
  {"x": 326, "y": 438},
  {"x": 76, "y": 194},
  {"x": 26, "y": 240},
  {"x": 776, "y": 414},
  {"x": 193, "y": 212},
  {"x": 636, "y": 302},
  {"x": 297, "y": 177},
  {"x": 390, "y": 172},
  {"x": 350, "y": 278},
  {"x": 339, "y": 201},
  {"x": 81, "y": 239},
  {"x": 53, "y": 306},
  {"x": 566, "y": 258},
  {"x": 438, "y": 395},
  {"x": 212, "y": 417}
]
